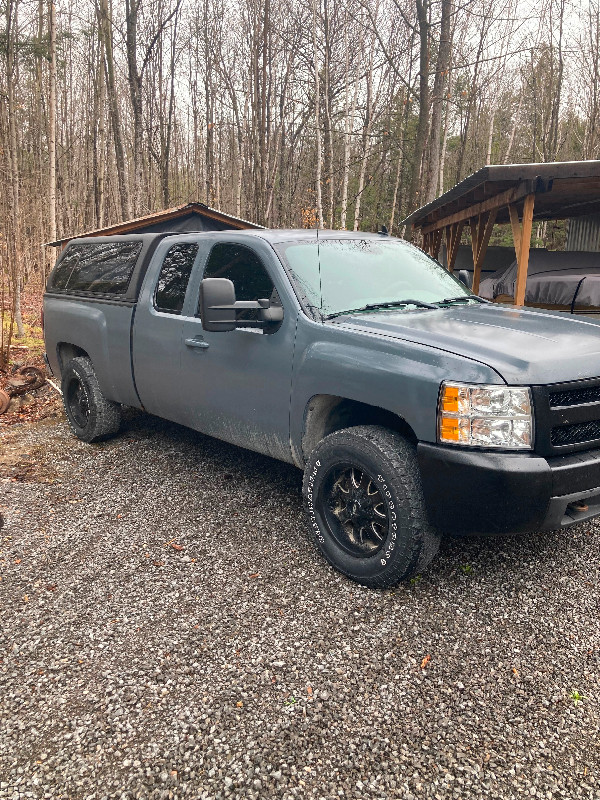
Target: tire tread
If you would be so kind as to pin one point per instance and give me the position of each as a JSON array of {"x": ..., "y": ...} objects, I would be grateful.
[
  {"x": 106, "y": 413},
  {"x": 423, "y": 540}
]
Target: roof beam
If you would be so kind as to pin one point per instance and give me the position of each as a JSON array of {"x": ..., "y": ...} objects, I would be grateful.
[{"x": 509, "y": 197}]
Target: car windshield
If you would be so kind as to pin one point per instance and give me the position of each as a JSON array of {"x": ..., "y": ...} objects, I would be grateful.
[{"x": 337, "y": 275}]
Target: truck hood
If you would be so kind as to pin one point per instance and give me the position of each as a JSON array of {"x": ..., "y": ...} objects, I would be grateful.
[{"x": 524, "y": 346}]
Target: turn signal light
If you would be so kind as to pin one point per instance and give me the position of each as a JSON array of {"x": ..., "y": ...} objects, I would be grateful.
[{"x": 485, "y": 416}]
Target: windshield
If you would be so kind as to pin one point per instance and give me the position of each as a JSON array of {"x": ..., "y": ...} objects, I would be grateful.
[{"x": 355, "y": 273}]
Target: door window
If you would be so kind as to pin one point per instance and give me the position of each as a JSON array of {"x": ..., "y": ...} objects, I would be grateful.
[
  {"x": 174, "y": 277},
  {"x": 244, "y": 268}
]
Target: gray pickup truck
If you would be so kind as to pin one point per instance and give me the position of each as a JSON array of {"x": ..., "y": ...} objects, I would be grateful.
[{"x": 414, "y": 407}]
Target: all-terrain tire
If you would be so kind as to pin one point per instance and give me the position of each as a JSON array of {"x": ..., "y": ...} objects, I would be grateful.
[
  {"x": 90, "y": 415},
  {"x": 402, "y": 544}
]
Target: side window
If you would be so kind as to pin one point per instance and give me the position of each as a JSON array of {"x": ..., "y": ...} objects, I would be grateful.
[
  {"x": 245, "y": 269},
  {"x": 97, "y": 268},
  {"x": 174, "y": 277}
]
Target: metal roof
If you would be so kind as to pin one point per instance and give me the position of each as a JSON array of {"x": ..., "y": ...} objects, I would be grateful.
[
  {"x": 157, "y": 217},
  {"x": 563, "y": 189}
]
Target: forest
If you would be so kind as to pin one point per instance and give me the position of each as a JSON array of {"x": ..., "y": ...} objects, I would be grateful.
[{"x": 288, "y": 113}]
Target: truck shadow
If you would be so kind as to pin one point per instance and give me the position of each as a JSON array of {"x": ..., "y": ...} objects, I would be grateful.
[{"x": 536, "y": 555}]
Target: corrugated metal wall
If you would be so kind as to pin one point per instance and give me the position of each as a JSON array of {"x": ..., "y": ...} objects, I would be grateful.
[{"x": 584, "y": 234}]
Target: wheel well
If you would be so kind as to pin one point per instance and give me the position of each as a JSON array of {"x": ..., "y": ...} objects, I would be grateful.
[
  {"x": 327, "y": 413},
  {"x": 68, "y": 351}
]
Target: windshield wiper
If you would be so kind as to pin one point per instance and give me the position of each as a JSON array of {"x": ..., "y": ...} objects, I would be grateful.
[
  {"x": 394, "y": 303},
  {"x": 388, "y": 304},
  {"x": 463, "y": 298}
]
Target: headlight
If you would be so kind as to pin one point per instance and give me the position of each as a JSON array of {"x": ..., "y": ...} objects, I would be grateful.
[{"x": 485, "y": 416}]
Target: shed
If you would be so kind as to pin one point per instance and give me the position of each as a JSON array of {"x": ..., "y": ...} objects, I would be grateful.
[
  {"x": 509, "y": 193},
  {"x": 187, "y": 218}
]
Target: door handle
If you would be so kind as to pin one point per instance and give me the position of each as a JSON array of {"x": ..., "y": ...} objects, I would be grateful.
[{"x": 198, "y": 341}]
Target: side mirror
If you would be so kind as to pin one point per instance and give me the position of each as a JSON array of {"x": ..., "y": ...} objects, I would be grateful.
[
  {"x": 218, "y": 308},
  {"x": 464, "y": 277},
  {"x": 217, "y": 304}
]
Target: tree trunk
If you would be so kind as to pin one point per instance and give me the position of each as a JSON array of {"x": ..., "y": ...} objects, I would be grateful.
[
  {"x": 348, "y": 125},
  {"x": 105, "y": 28},
  {"x": 52, "y": 122},
  {"x": 134, "y": 79},
  {"x": 317, "y": 120},
  {"x": 423, "y": 121},
  {"x": 366, "y": 142},
  {"x": 437, "y": 101},
  {"x": 488, "y": 159},
  {"x": 14, "y": 233}
]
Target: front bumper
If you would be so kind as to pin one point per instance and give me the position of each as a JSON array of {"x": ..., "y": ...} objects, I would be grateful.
[{"x": 482, "y": 492}]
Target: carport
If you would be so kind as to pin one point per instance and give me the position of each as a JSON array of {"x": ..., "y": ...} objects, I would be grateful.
[{"x": 518, "y": 194}]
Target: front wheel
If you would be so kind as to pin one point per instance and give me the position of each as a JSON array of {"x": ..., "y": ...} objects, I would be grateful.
[
  {"x": 90, "y": 415},
  {"x": 365, "y": 508}
]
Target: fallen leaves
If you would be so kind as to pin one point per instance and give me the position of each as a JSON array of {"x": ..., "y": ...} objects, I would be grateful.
[
  {"x": 425, "y": 661},
  {"x": 176, "y": 546}
]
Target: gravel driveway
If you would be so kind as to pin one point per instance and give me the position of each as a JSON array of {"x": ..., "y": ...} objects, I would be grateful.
[{"x": 167, "y": 631}]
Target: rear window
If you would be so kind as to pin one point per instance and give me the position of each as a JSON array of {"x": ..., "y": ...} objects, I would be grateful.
[
  {"x": 173, "y": 279},
  {"x": 97, "y": 268}
]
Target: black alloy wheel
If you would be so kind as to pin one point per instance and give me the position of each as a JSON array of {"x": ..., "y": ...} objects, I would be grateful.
[
  {"x": 78, "y": 401},
  {"x": 365, "y": 508},
  {"x": 91, "y": 416},
  {"x": 357, "y": 514}
]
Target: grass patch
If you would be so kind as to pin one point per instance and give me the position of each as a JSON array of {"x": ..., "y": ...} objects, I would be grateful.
[{"x": 33, "y": 339}]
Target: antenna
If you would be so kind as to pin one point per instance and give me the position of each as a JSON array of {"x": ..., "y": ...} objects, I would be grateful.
[{"x": 319, "y": 267}]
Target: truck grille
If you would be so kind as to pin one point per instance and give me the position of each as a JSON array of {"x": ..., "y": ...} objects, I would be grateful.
[
  {"x": 567, "y": 416},
  {"x": 575, "y": 434},
  {"x": 575, "y": 397}
]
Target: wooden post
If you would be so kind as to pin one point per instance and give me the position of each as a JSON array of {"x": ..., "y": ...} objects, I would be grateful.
[
  {"x": 523, "y": 245},
  {"x": 481, "y": 230},
  {"x": 436, "y": 243},
  {"x": 516, "y": 228},
  {"x": 453, "y": 234}
]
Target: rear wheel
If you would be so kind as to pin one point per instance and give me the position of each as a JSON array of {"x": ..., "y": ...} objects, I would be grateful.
[
  {"x": 90, "y": 415},
  {"x": 365, "y": 506}
]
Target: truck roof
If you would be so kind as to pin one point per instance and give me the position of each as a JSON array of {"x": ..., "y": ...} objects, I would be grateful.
[
  {"x": 289, "y": 234},
  {"x": 269, "y": 234}
]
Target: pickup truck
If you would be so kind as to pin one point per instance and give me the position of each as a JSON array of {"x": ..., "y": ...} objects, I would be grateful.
[{"x": 414, "y": 407}]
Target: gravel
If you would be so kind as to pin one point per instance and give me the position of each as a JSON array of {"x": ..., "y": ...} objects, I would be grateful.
[{"x": 167, "y": 630}]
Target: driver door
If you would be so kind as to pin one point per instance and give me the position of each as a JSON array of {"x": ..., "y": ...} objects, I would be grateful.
[{"x": 237, "y": 383}]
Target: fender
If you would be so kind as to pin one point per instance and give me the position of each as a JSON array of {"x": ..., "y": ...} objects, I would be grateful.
[{"x": 398, "y": 376}]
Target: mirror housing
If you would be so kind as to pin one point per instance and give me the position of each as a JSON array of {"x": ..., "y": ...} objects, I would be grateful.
[
  {"x": 218, "y": 308},
  {"x": 272, "y": 314},
  {"x": 217, "y": 304}
]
